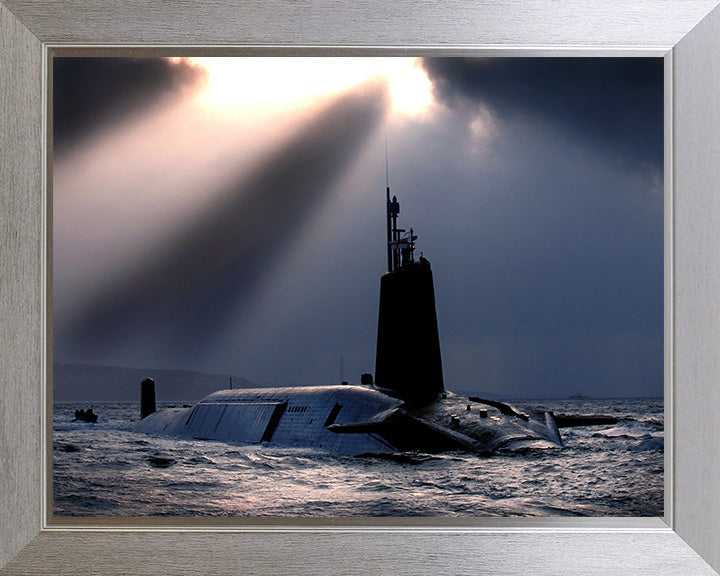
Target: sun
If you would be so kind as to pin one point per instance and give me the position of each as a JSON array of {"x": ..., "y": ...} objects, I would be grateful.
[{"x": 271, "y": 81}]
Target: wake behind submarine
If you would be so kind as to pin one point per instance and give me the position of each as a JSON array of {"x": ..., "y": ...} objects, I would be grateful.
[{"x": 406, "y": 408}]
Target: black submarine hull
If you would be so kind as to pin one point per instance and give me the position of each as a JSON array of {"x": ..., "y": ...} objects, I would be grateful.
[
  {"x": 351, "y": 420},
  {"x": 406, "y": 409}
]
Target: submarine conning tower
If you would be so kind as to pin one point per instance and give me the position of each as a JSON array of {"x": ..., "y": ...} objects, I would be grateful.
[{"x": 408, "y": 364}]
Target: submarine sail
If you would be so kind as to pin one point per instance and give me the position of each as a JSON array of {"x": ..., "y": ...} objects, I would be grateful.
[{"x": 408, "y": 363}]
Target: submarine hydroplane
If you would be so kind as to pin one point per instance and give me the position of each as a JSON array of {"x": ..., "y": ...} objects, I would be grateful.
[{"x": 404, "y": 407}]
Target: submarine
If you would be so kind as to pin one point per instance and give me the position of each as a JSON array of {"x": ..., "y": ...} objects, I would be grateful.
[{"x": 404, "y": 407}]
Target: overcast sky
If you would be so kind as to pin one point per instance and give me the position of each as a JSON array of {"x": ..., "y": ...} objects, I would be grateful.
[{"x": 228, "y": 216}]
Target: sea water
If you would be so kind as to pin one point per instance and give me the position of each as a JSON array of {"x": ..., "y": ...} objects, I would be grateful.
[{"x": 107, "y": 470}]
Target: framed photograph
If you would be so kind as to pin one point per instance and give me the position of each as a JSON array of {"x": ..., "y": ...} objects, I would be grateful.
[
  {"x": 223, "y": 217},
  {"x": 682, "y": 35}
]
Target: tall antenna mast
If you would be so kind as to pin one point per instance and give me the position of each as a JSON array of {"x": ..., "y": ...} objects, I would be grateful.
[
  {"x": 387, "y": 164},
  {"x": 388, "y": 207}
]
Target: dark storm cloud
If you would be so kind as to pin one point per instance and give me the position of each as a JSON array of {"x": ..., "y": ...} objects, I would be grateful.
[
  {"x": 617, "y": 103},
  {"x": 187, "y": 293},
  {"x": 88, "y": 92}
]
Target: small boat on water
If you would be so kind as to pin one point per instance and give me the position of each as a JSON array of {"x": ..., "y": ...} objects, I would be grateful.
[
  {"x": 404, "y": 407},
  {"x": 86, "y": 416}
]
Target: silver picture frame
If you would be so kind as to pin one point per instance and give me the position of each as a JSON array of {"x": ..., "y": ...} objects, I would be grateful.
[{"x": 686, "y": 33}]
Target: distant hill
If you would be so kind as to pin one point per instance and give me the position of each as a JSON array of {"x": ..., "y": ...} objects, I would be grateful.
[{"x": 83, "y": 383}]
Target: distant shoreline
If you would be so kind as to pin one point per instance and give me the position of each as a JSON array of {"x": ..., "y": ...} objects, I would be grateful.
[{"x": 97, "y": 383}]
